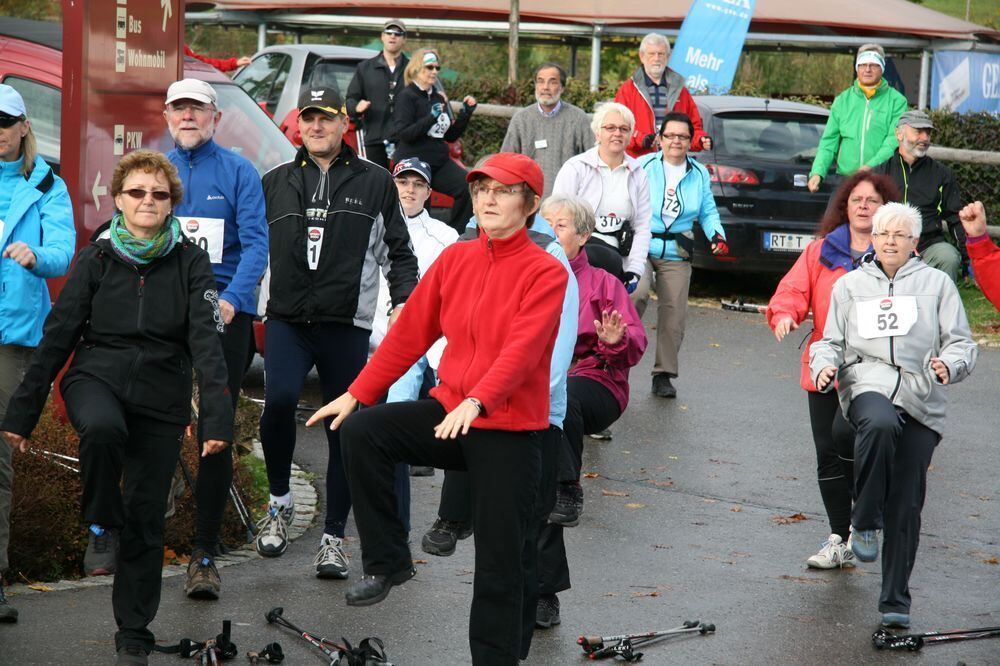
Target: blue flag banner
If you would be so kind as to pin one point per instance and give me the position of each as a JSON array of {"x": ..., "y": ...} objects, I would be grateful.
[
  {"x": 708, "y": 47},
  {"x": 966, "y": 81}
]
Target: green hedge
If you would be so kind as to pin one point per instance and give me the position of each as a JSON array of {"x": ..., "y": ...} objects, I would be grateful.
[{"x": 976, "y": 131}]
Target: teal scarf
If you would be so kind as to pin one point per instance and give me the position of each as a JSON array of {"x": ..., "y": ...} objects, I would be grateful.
[{"x": 141, "y": 251}]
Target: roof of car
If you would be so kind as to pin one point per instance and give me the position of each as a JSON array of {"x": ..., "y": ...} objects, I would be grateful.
[
  {"x": 724, "y": 103},
  {"x": 46, "y": 33},
  {"x": 322, "y": 50}
]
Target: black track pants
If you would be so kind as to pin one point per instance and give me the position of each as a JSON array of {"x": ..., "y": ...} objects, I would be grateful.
[{"x": 834, "y": 440}]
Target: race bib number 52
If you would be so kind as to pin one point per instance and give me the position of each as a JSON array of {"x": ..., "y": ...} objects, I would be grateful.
[
  {"x": 207, "y": 232},
  {"x": 885, "y": 317}
]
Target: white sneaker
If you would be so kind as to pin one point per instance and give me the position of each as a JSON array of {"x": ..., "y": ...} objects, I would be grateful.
[
  {"x": 834, "y": 554},
  {"x": 272, "y": 530},
  {"x": 330, "y": 561}
]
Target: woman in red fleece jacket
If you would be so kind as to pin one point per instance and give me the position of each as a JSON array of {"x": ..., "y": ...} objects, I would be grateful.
[{"x": 497, "y": 299}]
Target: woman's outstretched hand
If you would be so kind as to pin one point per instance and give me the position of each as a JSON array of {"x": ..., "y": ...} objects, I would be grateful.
[{"x": 339, "y": 409}]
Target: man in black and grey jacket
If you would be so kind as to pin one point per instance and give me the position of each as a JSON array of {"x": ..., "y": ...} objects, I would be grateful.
[
  {"x": 334, "y": 220},
  {"x": 372, "y": 92}
]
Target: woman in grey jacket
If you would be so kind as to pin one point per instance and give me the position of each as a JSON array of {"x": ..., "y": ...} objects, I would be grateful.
[{"x": 895, "y": 335}]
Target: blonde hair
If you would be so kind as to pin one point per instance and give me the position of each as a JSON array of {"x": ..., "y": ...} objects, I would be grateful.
[
  {"x": 897, "y": 212},
  {"x": 29, "y": 151},
  {"x": 416, "y": 64},
  {"x": 601, "y": 112}
]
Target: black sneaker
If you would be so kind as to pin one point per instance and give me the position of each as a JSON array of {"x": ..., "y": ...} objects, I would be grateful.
[
  {"x": 443, "y": 536},
  {"x": 373, "y": 589},
  {"x": 547, "y": 611},
  {"x": 417, "y": 470},
  {"x": 131, "y": 655},
  {"x": 7, "y": 612},
  {"x": 569, "y": 505},
  {"x": 101, "y": 557},
  {"x": 203, "y": 581},
  {"x": 662, "y": 386}
]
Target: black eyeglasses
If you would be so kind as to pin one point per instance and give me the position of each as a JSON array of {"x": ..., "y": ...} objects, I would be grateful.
[
  {"x": 9, "y": 121},
  {"x": 395, "y": 33},
  {"x": 434, "y": 67},
  {"x": 139, "y": 194}
]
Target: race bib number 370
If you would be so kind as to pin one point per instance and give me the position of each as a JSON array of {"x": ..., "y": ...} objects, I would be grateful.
[
  {"x": 207, "y": 232},
  {"x": 884, "y": 317}
]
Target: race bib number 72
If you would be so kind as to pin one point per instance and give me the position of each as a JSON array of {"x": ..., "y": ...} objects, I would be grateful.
[{"x": 885, "y": 317}]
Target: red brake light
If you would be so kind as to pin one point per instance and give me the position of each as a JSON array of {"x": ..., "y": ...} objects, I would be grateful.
[{"x": 734, "y": 175}]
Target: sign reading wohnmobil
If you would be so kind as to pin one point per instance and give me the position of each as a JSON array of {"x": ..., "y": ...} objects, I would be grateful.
[{"x": 119, "y": 57}]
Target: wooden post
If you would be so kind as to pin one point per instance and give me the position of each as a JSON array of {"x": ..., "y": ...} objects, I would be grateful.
[{"x": 515, "y": 20}]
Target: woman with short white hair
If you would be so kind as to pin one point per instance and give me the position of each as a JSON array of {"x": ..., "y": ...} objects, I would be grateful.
[
  {"x": 895, "y": 335},
  {"x": 615, "y": 186}
]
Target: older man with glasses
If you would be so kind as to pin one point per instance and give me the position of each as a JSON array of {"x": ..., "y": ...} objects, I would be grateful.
[{"x": 372, "y": 92}]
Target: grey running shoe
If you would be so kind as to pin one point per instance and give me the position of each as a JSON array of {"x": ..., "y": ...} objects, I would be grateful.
[
  {"x": 662, "y": 386},
  {"x": 272, "y": 530},
  {"x": 569, "y": 505},
  {"x": 7, "y": 612},
  {"x": 603, "y": 435},
  {"x": 102, "y": 551},
  {"x": 330, "y": 561},
  {"x": 203, "y": 581}
]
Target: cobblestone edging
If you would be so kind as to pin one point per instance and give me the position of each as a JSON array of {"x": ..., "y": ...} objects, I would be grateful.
[{"x": 305, "y": 498}]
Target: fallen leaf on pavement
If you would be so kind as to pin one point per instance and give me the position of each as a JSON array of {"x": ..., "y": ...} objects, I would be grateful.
[
  {"x": 714, "y": 344},
  {"x": 709, "y": 500},
  {"x": 420, "y": 561},
  {"x": 788, "y": 520},
  {"x": 662, "y": 484},
  {"x": 635, "y": 505},
  {"x": 590, "y": 475},
  {"x": 614, "y": 493},
  {"x": 736, "y": 509},
  {"x": 654, "y": 593},
  {"x": 673, "y": 457},
  {"x": 804, "y": 579},
  {"x": 992, "y": 560},
  {"x": 684, "y": 408},
  {"x": 41, "y": 587}
]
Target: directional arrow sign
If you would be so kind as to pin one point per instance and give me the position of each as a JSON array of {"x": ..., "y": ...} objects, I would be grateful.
[
  {"x": 98, "y": 191},
  {"x": 167, "y": 12}
]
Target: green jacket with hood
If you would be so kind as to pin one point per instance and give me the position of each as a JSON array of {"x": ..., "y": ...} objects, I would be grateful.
[{"x": 860, "y": 130}]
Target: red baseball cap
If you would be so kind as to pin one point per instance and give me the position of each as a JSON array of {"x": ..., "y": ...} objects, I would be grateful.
[{"x": 511, "y": 169}]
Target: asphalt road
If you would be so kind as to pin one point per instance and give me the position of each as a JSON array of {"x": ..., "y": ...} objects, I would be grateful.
[{"x": 682, "y": 522}]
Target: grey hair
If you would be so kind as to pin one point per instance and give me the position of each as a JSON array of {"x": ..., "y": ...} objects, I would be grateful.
[
  {"x": 601, "y": 112},
  {"x": 578, "y": 209},
  {"x": 897, "y": 212},
  {"x": 872, "y": 47},
  {"x": 654, "y": 38}
]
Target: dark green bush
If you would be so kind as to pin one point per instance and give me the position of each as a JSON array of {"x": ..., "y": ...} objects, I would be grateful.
[
  {"x": 48, "y": 538},
  {"x": 973, "y": 131}
]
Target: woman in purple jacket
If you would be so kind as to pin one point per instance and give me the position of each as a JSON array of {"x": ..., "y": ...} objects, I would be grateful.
[{"x": 610, "y": 340}]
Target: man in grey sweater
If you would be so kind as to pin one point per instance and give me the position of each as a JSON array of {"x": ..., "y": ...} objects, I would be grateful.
[{"x": 550, "y": 131}]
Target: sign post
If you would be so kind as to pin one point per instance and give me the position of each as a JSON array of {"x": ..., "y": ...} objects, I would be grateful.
[{"x": 119, "y": 57}]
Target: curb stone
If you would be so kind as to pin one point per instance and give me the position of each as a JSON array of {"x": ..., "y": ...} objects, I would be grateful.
[{"x": 305, "y": 498}]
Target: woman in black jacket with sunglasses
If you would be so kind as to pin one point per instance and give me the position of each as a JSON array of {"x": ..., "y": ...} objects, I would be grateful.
[{"x": 423, "y": 124}]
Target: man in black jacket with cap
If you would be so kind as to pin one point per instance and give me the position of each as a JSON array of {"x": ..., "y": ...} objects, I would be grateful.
[{"x": 334, "y": 220}]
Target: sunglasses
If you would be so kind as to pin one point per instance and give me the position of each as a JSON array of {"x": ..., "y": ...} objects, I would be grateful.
[
  {"x": 395, "y": 33},
  {"x": 9, "y": 121},
  {"x": 434, "y": 67},
  {"x": 140, "y": 194}
]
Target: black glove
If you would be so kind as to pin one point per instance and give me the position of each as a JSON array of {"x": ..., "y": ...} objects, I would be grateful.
[
  {"x": 631, "y": 281},
  {"x": 648, "y": 140}
]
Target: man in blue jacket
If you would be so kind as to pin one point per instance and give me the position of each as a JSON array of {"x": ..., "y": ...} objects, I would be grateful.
[
  {"x": 37, "y": 240},
  {"x": 223, "y": 211}
]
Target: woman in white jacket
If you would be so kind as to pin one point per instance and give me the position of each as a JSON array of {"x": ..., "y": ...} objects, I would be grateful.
[
  {"x": 895, "y": 335},
  {"x": 615, "y": 186}
]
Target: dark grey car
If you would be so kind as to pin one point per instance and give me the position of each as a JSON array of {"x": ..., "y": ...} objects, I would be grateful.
[{"x": 760, "y": 159}]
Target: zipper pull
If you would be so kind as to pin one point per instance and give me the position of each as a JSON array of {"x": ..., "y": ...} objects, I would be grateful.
[{"x": 142, "y": 283}]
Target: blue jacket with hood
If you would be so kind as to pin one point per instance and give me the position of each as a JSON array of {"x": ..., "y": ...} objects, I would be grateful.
[
  {"x": 219, "y": 183},
  {"x": 36, "y": 211}
]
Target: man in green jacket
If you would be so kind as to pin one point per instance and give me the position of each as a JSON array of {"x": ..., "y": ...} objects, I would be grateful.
[{"x": 861, "y": 130}]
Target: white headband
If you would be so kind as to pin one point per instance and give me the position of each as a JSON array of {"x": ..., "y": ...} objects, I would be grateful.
[{"x": 869, "y": 57}]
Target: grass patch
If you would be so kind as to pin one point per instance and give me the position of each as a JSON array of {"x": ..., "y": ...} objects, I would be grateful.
[{"x": 983, "y": 317}]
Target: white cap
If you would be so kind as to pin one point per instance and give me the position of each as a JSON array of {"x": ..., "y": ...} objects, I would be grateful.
[{"x": 195, "y": 89}]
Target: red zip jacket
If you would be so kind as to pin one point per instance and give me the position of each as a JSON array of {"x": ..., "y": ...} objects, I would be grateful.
[
  {"x": 497, "y": 302},
  {"x": 807, "y": 285},
  {"x": 221, "y": 64},
  {"x": 637, "y": 100},
  {"x": 985, "y": 256}
]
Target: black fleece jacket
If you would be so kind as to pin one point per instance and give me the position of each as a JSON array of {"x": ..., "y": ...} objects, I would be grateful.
[
  {"x": 417, "y": 130},
  {"x": 138, "y": 330}
]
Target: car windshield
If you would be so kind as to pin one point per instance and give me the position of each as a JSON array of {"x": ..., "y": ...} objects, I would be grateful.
[
  {"x": 245, "y": 129},
  {"x": 45, "y": 113},
  {"x": 772, "y": 136},
  {"x": 336, "y": 74}
]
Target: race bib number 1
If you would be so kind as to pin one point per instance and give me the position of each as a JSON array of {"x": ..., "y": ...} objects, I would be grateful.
[
  {"x": 885, "y": 317},
  {"x": 207, "y": 232},
  {"x": 314, "y": 245}
]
